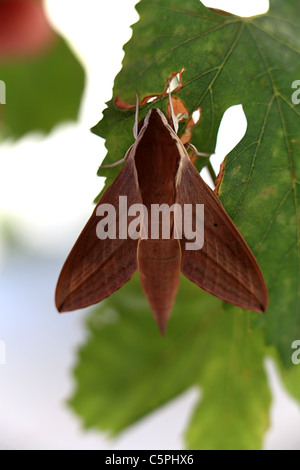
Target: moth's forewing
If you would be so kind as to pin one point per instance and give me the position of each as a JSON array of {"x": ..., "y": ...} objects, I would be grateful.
[
  {"x": 96, "y": 268},
  {"x": 224, "y": 266}
]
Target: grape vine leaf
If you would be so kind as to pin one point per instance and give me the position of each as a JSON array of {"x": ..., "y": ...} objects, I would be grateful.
[{"x": 227, "y": 60}]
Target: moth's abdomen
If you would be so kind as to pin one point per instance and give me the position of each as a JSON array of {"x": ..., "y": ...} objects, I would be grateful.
[{"x": 159, "y": 265}]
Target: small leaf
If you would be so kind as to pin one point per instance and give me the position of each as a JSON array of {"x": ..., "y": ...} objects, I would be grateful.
[{"x": 41, "y": 91}]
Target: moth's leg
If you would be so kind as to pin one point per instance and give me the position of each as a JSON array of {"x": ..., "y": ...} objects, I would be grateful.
[
  {"x": 193, "y": 148},
  {"x": 111, "y": 165},
  {"x": 195, "y": 154},
  {"x": 135, "y": 134}
]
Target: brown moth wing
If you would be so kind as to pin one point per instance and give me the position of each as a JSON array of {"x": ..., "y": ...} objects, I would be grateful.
[
  {"x": 96, "y": 268},
  {"x": 225, "y": 266}
]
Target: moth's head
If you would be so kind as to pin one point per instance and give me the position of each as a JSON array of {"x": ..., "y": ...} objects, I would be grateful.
[{"x": 155, "y": 117}]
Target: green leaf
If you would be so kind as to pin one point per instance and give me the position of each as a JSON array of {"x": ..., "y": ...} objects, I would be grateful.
[
  {"x": 127, "y": 370},
  {"x": 41, "y": 92},
  {"x": 230, "y": 60}
]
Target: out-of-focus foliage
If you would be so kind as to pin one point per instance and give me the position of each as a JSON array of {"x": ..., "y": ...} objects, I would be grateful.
[{"x": 43, "y": 79}]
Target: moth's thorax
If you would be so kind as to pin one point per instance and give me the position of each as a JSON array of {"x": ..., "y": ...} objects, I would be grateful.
[{"x": 157, "y": 159}]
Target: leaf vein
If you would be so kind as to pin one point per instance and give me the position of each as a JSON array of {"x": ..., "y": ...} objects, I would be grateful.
[
  {"x": 273, "y": 218},
  {"x": 297, "y": 51},
  {"x": 184, "y": 43}
]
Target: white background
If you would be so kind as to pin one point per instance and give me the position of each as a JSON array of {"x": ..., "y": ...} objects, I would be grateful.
[{"x": 40, "y": 344}]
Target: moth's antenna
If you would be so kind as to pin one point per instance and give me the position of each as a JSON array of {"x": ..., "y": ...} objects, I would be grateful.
[
  {"x": 136, "y": 122},
  {"x": 173, "y": 116}
]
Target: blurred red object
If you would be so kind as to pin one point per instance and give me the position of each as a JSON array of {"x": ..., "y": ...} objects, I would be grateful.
[{"x": 24, "y": 29}]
